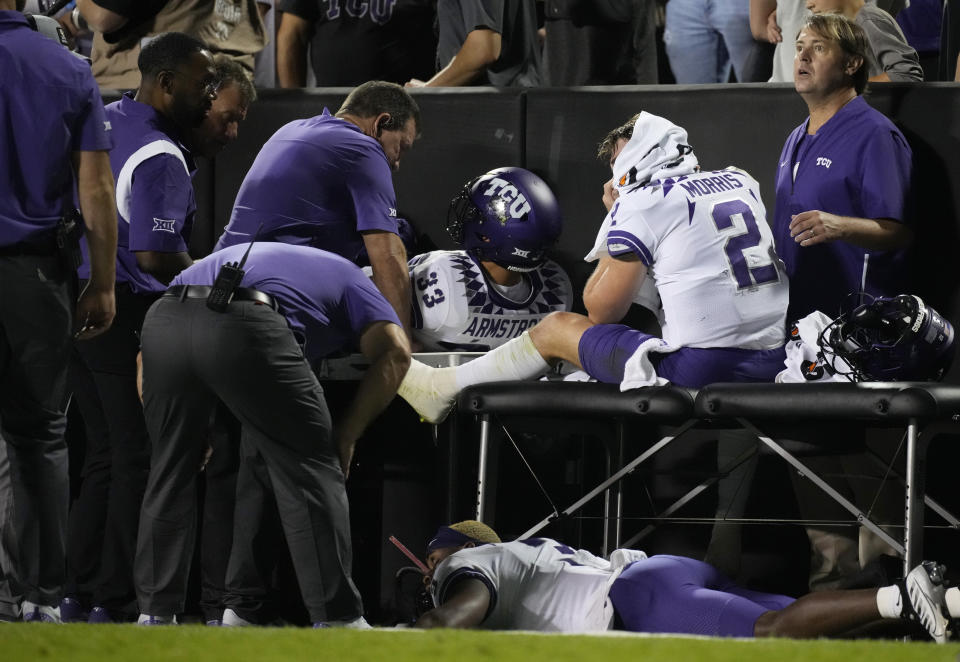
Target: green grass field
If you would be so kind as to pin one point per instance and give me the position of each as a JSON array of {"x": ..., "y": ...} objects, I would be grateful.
[{"x": 129, "y": 643}]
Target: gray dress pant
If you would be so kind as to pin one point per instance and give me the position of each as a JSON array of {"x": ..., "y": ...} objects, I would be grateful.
[
  {"x": 249, "y": 359},
  {"x": 36, "y": 318}
]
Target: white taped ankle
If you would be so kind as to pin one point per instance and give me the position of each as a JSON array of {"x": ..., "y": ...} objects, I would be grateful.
[{"x": 890, "y": 602}]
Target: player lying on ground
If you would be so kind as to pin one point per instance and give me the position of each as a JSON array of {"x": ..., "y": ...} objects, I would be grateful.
[{"x": 541, "y": 584}]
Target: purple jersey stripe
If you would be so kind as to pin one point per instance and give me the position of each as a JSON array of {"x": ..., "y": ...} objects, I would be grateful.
[{"x": 620, "y": 242}]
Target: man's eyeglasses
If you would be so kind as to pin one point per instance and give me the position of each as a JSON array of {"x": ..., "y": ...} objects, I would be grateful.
[{"x": 207, "y": 85}]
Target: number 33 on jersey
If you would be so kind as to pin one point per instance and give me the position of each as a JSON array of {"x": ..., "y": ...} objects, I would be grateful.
[{"x": 456, "y": 307}]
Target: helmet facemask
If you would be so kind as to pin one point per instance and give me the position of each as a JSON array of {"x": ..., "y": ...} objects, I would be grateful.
[{"x": 889, "y": 339}]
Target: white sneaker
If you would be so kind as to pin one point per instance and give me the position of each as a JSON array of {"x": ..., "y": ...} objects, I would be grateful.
[
  {"x": 925, "y": 589},
  {"x": 34, "y": 613},
  {"x": 951, "y": 598},
  {"x": 148, "y": 619},
  {"x": 359, "y": 623},
  {"x": 231, "y": 619},
  {"x": 432, "y": 392}
]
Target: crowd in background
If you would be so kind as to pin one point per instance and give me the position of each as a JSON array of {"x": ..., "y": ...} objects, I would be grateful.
[{"x": 528, "y": 43}]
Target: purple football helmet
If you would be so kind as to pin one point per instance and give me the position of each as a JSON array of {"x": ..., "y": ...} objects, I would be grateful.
[
  {"x": 890, "y": 339},
  {"x": 508, "y": 216}
]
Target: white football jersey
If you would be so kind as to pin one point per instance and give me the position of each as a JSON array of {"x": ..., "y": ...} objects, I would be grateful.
[
  {"x": 455, "y": 307},
  {"x": 805, "y": 362},
  {"x": 537, "y": 584},
  {"x": 707, "y": 245}
]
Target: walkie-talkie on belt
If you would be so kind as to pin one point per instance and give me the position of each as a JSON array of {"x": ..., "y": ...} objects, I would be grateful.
[{"x": 228, "y": 279}]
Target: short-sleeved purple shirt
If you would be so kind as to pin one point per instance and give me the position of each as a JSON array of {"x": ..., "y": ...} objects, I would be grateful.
[
  {"x": 50, "y": 107},
  {"x": 858, "y": 164},
  {"x": 326, "y": 300},
  {"x": 155, "y": 200},
  {"x": 317, "y": 182}
]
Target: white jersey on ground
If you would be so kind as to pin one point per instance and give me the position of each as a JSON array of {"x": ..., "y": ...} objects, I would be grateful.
[
  {"x": 805, "y": 362},
  {"x": 707, "y": 245},
  {"x": 537, "y": 584},
  {"x": 456, "y": 307}
]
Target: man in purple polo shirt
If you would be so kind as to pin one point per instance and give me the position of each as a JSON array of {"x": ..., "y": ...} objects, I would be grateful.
[
  {"x": 155, "y": 205},
  {"x": 841, "y": 227},
  {"x": 326, "y": 182},
  {"x": 219, "y": 128},
  {"x": 295, "y": 304},
  {"x": 843, "y": 182},
  {"x": 55, "y": 137}
]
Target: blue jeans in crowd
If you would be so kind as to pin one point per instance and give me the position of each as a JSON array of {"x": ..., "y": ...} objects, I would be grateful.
[{"x": 704, "y": 37}]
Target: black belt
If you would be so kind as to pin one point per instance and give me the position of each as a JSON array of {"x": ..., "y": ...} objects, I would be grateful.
[
  {"x": 45, "y": 246},
  {"x": 203, "y": 291}
]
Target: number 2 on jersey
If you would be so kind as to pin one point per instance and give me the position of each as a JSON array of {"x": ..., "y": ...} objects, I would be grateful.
[{"x": 746, "y": 276}]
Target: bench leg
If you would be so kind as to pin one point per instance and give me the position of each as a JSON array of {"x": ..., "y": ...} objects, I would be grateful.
[
  {"x": 913, "y": 510},
  {"x": 613, "y": 501},
  {"x": 482, "y": 469}
]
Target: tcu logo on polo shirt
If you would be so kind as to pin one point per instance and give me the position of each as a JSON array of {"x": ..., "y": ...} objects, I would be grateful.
[
  {"x": 511, "y": 200},
  {"x": 823, "y": 161}
]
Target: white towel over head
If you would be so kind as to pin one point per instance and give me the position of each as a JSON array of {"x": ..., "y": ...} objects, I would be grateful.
[{"x": 658, "y": 150}]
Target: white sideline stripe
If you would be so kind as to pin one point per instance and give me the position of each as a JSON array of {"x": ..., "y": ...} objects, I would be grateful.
[
  {"x": 606, "y": 633},
  {"x": 125, "y": 178}
]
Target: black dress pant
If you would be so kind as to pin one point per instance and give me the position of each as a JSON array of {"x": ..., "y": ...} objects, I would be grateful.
[
  {"x": 105, "y": 515},
  {"x": 249, "y": 359},
  {"x": 37, "y": 300},
  {"x": 218, "y": 504}
]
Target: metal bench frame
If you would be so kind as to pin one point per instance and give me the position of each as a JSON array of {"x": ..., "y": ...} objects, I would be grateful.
[{"x": 923, "y": 410}]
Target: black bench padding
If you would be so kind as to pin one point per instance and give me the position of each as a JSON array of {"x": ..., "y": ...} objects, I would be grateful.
[
  {"x": 577, "y": 399},
  {"x": 879, "y": 403}
]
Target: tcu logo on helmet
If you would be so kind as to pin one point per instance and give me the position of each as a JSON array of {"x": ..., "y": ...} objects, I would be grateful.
[{"x": 518, "y": 204}]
